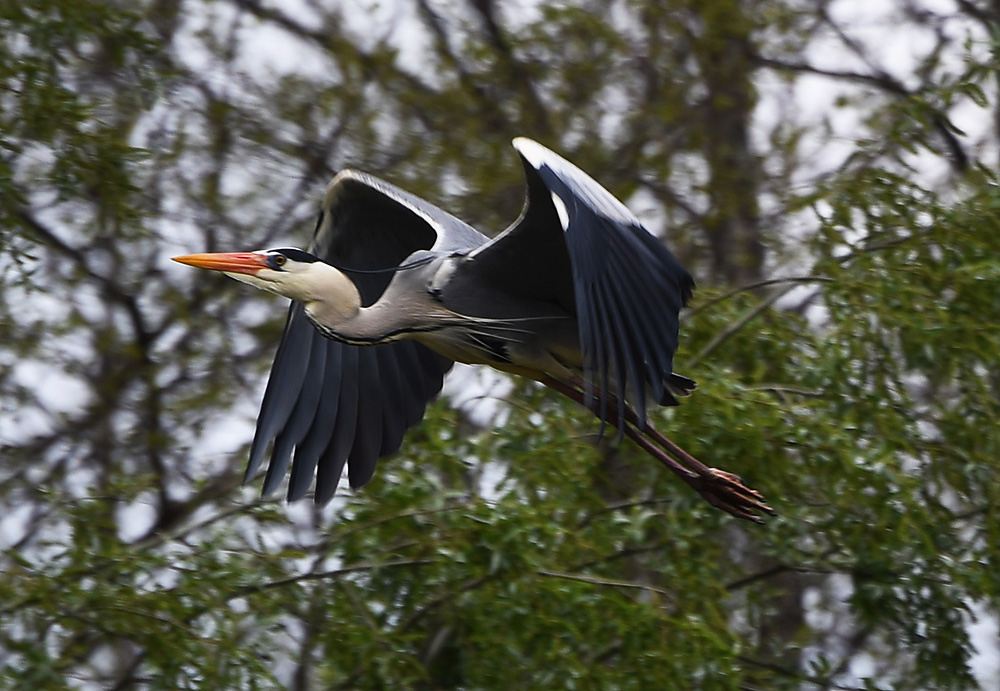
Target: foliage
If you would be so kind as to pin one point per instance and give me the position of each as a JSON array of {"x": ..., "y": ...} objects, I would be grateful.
[{"x": 851, "y": 376}]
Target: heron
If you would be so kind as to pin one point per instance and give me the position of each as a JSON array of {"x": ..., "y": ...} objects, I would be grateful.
[{"x": 575, "y": 294}]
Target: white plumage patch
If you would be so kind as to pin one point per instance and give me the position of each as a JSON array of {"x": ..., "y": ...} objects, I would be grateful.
[
  {"x": 442, "y": 275},
  {"x": 561, "y": 210},
  {"x": 580, "y": 184}
]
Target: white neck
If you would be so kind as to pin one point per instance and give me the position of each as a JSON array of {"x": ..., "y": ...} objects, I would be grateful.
[
  {"x": 333, "y": 304},
  {"x": 330, "y": 297}
]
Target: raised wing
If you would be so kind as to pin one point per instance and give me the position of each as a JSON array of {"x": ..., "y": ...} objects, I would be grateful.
[
  {"x": 367, "y": 221},
  {"x": 328, "y": 404},
  {"x": 577, "y": 245}
]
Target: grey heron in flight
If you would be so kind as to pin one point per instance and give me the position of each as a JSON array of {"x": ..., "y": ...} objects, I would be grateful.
[{"x": 575, "y": 294}]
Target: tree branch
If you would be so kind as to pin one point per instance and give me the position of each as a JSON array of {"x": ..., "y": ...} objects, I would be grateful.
[
  {"x": 755, "y": 285},
  {"x": 594, "y": 580}
]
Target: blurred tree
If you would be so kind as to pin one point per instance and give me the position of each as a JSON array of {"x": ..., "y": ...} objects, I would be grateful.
[{"x": 834, "y": 193}]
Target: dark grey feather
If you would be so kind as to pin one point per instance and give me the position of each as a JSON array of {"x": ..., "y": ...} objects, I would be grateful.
[
  {"x": 393, "y": 417},
  {"x": 287, "y": 374},
  {"x": 368, "y": 432},
  {"x": 308, "y": 452},
  {"x": 331, "y": 464},
  {"x": 301, "y": 418}
]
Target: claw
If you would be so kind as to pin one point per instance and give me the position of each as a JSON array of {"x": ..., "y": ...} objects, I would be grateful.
[{"x": 728, "y": 492}]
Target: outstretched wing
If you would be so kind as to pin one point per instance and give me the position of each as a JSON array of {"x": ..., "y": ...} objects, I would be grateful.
[
  {"x": 576, "y": 245},
  {"x": 328, "y": 404}
]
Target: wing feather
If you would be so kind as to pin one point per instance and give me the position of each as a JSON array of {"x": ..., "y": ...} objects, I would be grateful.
[
  {"x": 308, "y": 452},
  {"x": 393, "y": 414},
  {"x": 647, "y": 333},
  {"x": 287, "y": 374},
  {"x": 301, "y": 419},
  {"x": 413, "y": 392},
  {"x": 331, "y": 464},
  {"x": 368, "y": 431}
]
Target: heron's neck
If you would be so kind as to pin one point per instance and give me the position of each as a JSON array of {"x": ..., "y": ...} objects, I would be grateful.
[
  {"x": 330, "y": 297},
  {"x": 333, "y": 304}
]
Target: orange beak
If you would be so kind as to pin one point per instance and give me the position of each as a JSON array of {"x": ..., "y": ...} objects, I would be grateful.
[{"x": 230, "y": 262}]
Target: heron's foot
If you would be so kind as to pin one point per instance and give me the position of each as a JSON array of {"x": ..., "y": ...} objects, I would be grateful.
[{"x": 728, "y": 492}]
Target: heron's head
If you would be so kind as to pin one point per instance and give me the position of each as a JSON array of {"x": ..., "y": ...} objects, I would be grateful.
[{"x": 285, "y": 271}]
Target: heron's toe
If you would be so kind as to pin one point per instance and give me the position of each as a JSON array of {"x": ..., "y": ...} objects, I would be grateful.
[{"x": 728, "y": 492}]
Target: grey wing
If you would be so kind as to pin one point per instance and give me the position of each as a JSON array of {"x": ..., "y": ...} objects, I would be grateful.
[
  {"x": 386, "y": 214},
  {"x": 576, "y": 245},
  {"x": 328, "y": 404}
]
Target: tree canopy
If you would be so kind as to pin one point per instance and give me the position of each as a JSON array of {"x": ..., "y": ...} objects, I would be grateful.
[{"x": 827, "y": 171}]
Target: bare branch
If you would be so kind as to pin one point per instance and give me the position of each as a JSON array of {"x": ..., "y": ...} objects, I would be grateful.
[{"x": 594, "y": 580}]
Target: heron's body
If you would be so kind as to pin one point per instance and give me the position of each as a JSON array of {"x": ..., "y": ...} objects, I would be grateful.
[
  {"x": 575, "y": 294},
  {"x": 521, "y": 336}
]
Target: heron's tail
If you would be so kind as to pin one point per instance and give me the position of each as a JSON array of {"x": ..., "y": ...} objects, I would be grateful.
[{"x": 676, "y": 385}]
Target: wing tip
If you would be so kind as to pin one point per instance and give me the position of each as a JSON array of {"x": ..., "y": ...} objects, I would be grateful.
[
  {"x": 257, "y": 450},
  {"x": 530, "y": 150},
  {"x": 687, "y": 287}
]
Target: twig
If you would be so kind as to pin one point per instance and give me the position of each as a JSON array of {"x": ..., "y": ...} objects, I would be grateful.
[
  {"x": 321, "y": 575},
  {"x": 593, "y": 580},
  {"x": 759, "y": 284},
  {"x": 723, "y": 336}
]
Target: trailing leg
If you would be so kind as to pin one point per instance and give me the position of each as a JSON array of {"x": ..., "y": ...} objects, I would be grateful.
[{"x": 720, "y": 488}]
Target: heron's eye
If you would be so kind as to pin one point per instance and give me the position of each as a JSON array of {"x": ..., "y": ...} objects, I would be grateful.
[{"x": 280, "y": 259}]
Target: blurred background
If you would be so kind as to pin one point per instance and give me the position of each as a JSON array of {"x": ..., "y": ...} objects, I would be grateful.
[{"x": 827, "y": 171}]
